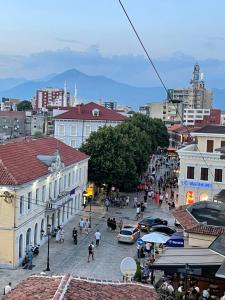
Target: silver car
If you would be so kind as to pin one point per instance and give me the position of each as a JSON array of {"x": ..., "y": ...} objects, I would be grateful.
[{"x": 128, "y": 234}]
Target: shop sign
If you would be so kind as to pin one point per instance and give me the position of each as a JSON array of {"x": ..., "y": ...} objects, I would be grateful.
[{"x": 206, "y": 185}]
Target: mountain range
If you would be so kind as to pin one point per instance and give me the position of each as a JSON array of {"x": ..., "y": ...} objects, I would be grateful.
[{"x": 93, "y": 88}]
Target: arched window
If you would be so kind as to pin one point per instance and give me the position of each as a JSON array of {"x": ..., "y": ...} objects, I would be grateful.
[
  {"x": 42, "y": 229},
  {"x": 190, "y": 198},
  {"x": 35, "y": 234},
  {"x": 21, "y": 246},
  {"x": 28, "y": 239}
]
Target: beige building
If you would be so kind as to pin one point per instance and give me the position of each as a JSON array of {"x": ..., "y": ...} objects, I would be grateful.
[
  {"x": 202, "y": 172},
  {"x": 41, "y": 183}
]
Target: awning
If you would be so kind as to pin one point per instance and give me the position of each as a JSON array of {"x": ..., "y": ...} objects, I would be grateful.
[
  {"x": 156, "y": 237},
  {"x": 220, "y": 196},
  {"x": 176, "y": 240},
  {"x": 195, "y": 257}
]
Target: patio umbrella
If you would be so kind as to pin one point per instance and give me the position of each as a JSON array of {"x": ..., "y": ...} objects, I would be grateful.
[{"x": 155, "y": 237}]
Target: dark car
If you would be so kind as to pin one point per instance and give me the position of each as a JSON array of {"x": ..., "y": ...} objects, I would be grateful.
[
  {"x": 148, "y": 222},
  {"x": 162, "y": 228}
]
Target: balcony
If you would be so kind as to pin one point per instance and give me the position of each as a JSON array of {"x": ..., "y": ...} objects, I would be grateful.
[{"x": 59, "y": 201}]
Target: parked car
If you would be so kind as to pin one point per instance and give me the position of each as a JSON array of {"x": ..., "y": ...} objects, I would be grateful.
[
  {"x": 163, "y": 229},
  {"x": 148, "y": 222},
  {"x": 128, "y": 234}
]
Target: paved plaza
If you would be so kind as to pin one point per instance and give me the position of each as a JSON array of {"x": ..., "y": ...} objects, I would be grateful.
[{"x": 69, "y": 258}]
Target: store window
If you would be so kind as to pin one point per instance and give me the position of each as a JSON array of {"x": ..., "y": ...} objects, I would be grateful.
[
  {"x": 190, "y": 172},
  {"x": 190, "y": 198},
  {"x": 204, "y": 174},
  {"x": 203, "y": 197},
  {"x": 218, "y": 175}
]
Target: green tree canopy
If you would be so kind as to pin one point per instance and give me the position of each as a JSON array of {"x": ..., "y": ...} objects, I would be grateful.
[
  {"x": 24, "y": 105},
  {"x": 119, "y": 155}
]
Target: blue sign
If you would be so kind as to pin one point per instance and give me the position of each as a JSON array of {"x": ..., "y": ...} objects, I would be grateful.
[{"x": 206, "y": 185}]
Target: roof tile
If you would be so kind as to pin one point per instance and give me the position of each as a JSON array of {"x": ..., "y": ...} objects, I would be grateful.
[
  {"x": 19, "y": 163},
  {"x": 84, "y": 112}
]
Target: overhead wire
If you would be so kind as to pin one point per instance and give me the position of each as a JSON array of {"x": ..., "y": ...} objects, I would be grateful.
[{"x": 163, "y": 84}]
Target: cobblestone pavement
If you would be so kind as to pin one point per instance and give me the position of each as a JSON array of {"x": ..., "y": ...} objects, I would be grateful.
[{"x": 70, "y": 258}]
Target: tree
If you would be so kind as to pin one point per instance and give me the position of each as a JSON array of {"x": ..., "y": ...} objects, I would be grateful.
[
  {"x": 111, "y": 159},
  {"x": 37, "y": 135},
  {"x": 24, "y": 105},
  {"x": 119, "y": 155}
]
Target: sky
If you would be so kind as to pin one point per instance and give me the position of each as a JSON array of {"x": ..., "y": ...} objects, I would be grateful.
[{"x": 45, "y": 28}]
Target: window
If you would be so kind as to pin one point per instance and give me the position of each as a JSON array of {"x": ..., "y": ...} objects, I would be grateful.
[
  {"x": 55, "y": 188},
  {"x": 69, "y": 180},
  {"x": 222, "y": 143},
  {"x": 87, "y": 130},
  {"x": 190, "y": 172},
  {"x": 204, "y": 173},
  {"x": 37, "y": 196},
  {"x": 50, "y": 190},
  {"x": 218, "y": 175},
  {"x": 21, "y": 204},
  {"x": 65, "y": 179},
  {"x": 73, "y": 143},
  {"x": 43, "y": 193},
  {"x": 80, "y": 175},
  {"x": 60, "y": 185},
  {"x": 73, "y": 130},
  {"x": 29, "y": 200},
  {"x": 209, "y": 146},
  {"x": 73, "y": 178},
  {"x": 61, "y": 129}
]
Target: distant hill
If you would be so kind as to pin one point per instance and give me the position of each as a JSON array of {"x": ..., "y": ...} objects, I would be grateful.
[
  {"x": 95, "y": 88},
  {"x": 89, "y": 88}
]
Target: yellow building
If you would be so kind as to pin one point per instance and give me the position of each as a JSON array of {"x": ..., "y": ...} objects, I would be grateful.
[{"x": 41, "y": 183}]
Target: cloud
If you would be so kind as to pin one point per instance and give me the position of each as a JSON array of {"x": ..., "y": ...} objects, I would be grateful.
[
  {"x": 176, "y": 70},
  {"x": 71, "y": 41}
]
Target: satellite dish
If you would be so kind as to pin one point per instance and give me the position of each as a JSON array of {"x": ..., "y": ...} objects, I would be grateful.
[{"x": 128, "y": 266}]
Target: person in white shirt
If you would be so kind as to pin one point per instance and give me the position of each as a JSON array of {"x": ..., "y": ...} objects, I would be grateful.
[
  {"x": 8, "y": 288},
  {"x": 97, "y": 237},
  {"x": 81, "y": 225},
  {"x": 223, "y": 297}
]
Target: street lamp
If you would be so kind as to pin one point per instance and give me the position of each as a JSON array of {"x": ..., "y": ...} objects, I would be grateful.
[{"x": 48, "y": 233}]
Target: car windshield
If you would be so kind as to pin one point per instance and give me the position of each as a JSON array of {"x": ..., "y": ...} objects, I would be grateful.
[{"x": 125, "y": 232}]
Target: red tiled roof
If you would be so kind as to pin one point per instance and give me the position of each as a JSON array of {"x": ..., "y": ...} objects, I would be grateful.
[
  {"x": 19, "y": 163},
  {"x": 42, "y": 288},
  {"x": 185, "y": 218},
  {"x": 191, "y": 225},
  {"x": 84, "y": 112},
  {"x": 207, "y": 229},
  {"x": 46, "y": 288},
  {"x": 6, "y": 113}
]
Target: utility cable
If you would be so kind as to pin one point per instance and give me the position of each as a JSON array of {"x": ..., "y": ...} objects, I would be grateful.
[{"x": 163, "y": 84}]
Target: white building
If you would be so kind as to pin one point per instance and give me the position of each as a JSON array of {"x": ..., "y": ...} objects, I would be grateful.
[
  {"x": 191, "y": 115},
  {"x": 75, "y": 126},
  {"x": 47, "y": 179},
  {"x": 202, "y": 172}
]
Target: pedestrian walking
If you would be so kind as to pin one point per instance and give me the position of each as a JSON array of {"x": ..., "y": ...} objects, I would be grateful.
[
  {"x": 91, "y": 251},
  {"x": 57, "y": 237},
  {"x": 127, "y": 200},
  {"x": 81, "y": 225},
  {"x": 107, "y": 204},
  {"x": 8, "y": 288},
  {"x": 138, "y": 251},
  {"x": 97, "y": 237},
  {"x": 156, "y": 199},
  {"x": 113, "y": 224},
  {"x": 120, "y": 224},
  {"x": 135, "y": 201},
  {"x": 86, "y": 226},
  {"x": 160, "y": 199},
  {"x": 109, "y": 224},
  {"x": 166, "y": 197},
  {"x": 62, "y": 235}
]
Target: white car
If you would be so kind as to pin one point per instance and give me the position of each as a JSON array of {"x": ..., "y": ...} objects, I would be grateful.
[{"x": 128, "y": 234}]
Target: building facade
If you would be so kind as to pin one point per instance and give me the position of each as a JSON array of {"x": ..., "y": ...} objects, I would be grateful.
[
  {"x": 202, "y": 171},
  {"x": 201, "y": 117},
  {"x": 75, "y": 126},
  {"x": 49, "y": 97},
  {"x": 14, "y": 124},
  {"x": 42, "y": 182}
]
